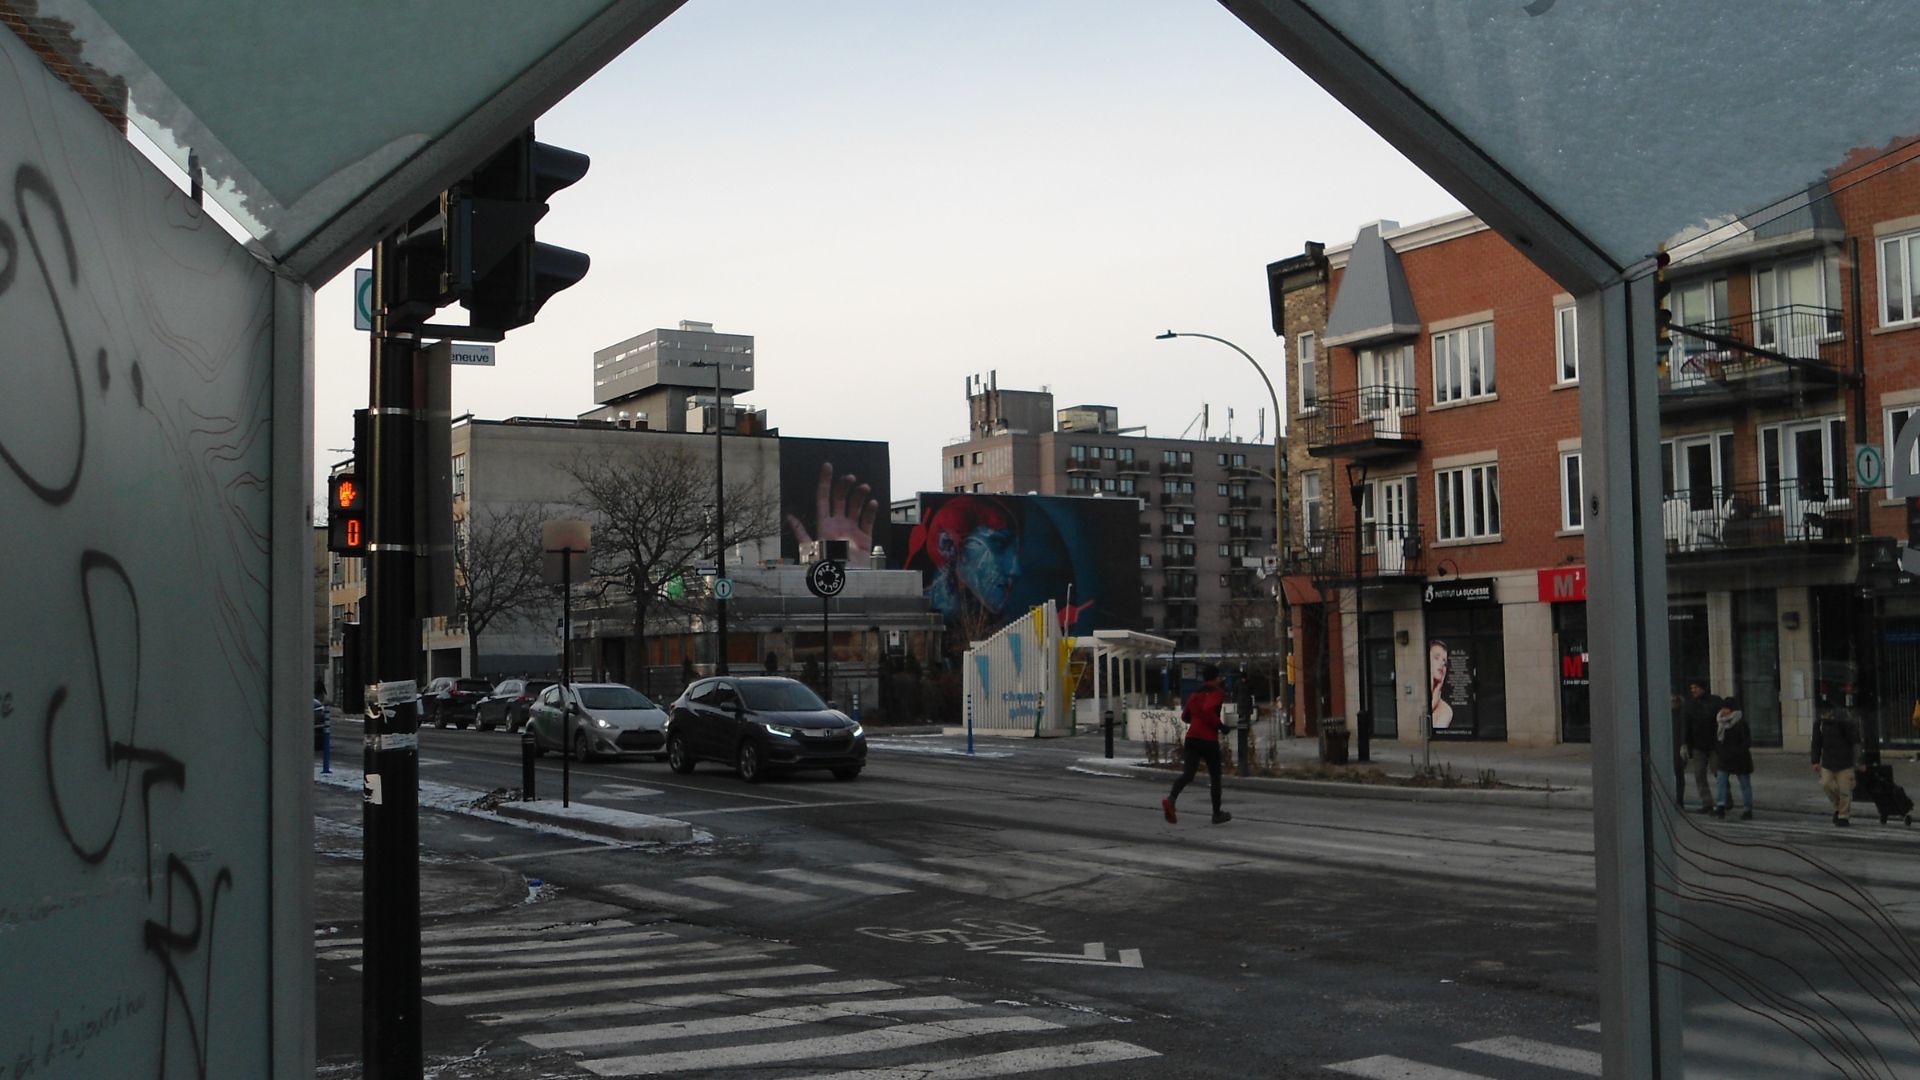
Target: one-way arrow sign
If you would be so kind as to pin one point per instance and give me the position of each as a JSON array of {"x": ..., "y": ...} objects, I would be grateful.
[{"x": 1094, "y": 954}]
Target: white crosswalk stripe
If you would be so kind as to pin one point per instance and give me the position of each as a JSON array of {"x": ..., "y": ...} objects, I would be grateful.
[
  {"x": 1533, "y": 1052},
  {"x": 1388, "y": 1067},
  {"x": 831, "y": 881},
  {"x": 667, "y": 900},
  {"x": 574, "y": 956},
  {"x": 1005, "y": 1063},
  {"x": 764, "y": 1020},
  {"x": 901, "y": 870},
  {"x": 859, "y": 1042},
  {"x": 639, "y": 982},
  {"x": 770, "y": 893},
  {"x": 1530, "y": 1052},
  {"x": 693, "y": 953},
  {"x": 686, "y": 1001}
]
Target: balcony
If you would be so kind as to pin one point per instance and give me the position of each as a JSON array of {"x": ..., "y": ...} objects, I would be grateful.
[
  {"x": 1176, "y": 498},
  {"x": 1172, "y": 528},
  {"x": 1245, "y": 531},
  {"x": 1244, "y": 471},
  {"x": 1083, "y": 465},
  {"x": 1176, "y": 561},
  {"x": 1134, "y": 468},
  {"x": 1243, "y": 502},
  {"x": 1767, "y": 357},
  {"x": 1392, "y": 551},
  {"x": 1759, "y": 521},
  {"x": 1374, "y": 423},
  {"x": 1176, "y": 468}
]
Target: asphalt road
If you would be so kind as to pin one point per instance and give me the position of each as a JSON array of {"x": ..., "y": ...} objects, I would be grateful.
[{"x": 1001, "y": 914}]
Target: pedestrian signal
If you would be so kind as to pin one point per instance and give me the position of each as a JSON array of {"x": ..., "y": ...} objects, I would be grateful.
[{"x": 346, "y": 515}]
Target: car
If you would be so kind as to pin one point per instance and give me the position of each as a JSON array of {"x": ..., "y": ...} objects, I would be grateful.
[
  {"x": 506, "y": 705},
  {"x": 322, "y": 723},
  {"x": 762, "y": 724},
  {"x": 592, "y": 720},
  {"x": 451, "y": 700}
]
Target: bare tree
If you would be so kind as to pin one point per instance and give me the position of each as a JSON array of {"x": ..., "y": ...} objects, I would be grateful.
[
  {"x": 652, "y": 518},
  {"x": 496, "y": 565}
]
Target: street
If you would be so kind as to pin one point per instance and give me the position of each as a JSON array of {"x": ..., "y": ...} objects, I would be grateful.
[{"x": 1006, "y": 914}]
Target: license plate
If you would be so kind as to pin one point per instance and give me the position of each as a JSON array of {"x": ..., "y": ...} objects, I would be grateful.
[{"x": 819, "y": 733}]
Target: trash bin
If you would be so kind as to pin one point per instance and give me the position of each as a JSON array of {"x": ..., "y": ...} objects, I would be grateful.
[{"x": 1333, "y": 741}]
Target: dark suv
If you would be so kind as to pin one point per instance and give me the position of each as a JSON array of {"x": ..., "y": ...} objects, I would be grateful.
[
  {"x": 761, "y": 724},
  {"x": 508, "y": 703},
  {"x": 453, "y": 701}
]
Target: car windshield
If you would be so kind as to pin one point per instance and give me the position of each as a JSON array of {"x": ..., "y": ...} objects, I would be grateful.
[
  {"x": 613, "y": 697},
  {"x": 478, "y": 686},
  {"x": 781, "y": 697}
]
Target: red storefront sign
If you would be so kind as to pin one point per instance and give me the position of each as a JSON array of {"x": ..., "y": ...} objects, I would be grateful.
[{"x": 1563, "y": 585}]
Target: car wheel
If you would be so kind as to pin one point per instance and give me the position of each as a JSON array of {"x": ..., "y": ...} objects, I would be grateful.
[
  {"x": 748, "y": 763},
  {"x": 484, "y": 725},
  {"x": 580, "y": 752},
  {"x": 461, "y": 724},
  {"x": 677, "y": 757},
  {"x": 847, "y": 772}
]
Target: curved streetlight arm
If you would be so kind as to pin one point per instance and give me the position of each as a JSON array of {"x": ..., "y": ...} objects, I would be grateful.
[{"x": 1256, "y": 367}]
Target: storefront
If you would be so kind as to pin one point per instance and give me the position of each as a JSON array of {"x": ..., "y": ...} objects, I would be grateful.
[
  {"x": 1466, "y": 660},
  {"x": 1565, "y": 588}
]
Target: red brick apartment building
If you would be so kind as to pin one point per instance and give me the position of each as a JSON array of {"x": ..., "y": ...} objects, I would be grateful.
[{"x": 1436, "y": 379}]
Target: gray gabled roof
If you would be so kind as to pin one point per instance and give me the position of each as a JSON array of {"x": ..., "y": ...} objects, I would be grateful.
[{"x": 1374, "y": 303}]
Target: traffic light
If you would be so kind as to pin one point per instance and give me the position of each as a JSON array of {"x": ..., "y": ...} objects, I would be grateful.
[
  {"x": 495, "y": 267},
  {"x": 1662, "y": 304},
  {"x": 346, "y": 515}
]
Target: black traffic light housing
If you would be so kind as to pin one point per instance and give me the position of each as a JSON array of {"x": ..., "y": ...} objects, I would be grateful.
[
  {"x": 1662, "y": 304},
  {"x": 346, "y": 514}
]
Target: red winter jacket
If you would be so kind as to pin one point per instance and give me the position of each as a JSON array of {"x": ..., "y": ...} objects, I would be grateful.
[{"x": 1203, "y": 712}]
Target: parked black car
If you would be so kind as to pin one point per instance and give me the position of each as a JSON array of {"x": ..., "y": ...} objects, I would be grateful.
[
  {"x": 453, "y": 701},
  {"x": 506, "y": 706},
  {"x": 762, "y": 724}
]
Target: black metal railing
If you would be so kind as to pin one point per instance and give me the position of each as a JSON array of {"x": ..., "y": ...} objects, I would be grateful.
[
  {"x": 1176, "y": 498},
  {"x": 1387, "y": 551},
  {"x": 1744, "y": 351},
  {"x": 1369, "y": 421},
  {"x": 1176, "y": 468},
  {"x": 1774, "y": 513}
]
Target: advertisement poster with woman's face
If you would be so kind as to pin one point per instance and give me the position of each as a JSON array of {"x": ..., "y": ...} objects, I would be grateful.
[{"x": 1449, "y": 687}]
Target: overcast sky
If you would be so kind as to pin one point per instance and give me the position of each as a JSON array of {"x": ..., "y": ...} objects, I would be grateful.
[{"x": 891, "y": 195}]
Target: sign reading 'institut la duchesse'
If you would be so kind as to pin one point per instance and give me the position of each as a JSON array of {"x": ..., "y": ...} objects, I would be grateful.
[{"x": 1459, "y": 591}]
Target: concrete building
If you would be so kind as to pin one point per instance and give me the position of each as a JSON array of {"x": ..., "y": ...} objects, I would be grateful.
[
  {"x": 1206, "y": 507},
  {"x": 653, "y": 380}
]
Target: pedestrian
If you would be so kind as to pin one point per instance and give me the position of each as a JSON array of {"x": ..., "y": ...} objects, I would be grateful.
[
  {"x": 1202, "y": 714},
  {"x": 1733, "y": 752},
  {"x": 1698, "y": 711},
  {"x": 1836, "y": 750}
]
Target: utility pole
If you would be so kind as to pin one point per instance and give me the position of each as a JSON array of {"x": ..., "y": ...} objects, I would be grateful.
[{"x": 719, "y": 518}]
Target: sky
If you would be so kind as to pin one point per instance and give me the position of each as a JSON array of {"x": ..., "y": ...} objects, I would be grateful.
[{"x": 891, "y": 196}]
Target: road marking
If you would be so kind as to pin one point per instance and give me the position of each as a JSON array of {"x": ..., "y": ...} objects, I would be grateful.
[
  {"x": 489, "y": 933},
  {"x": 665, "y": 899},
  {"x": 1593, "y": 1027},
  {"x": 594, "y": 986},
  {"x": 710, "y": 954},
  {"x": 1094, "y": 954},
  {"x": 748, "y": 889},
  {"x": 688, "y": 1001},
  {"x": 1533, "y": 1052},
  {"x": 865, "y": 888},
  {"x": 910, "y": 873},
  {"x": 765, "y": 1020},
  {"x": 1005, "y": 1063},
  {"x": 837, "y": 803},
  {"x": 863, "y": 1042},
  {"x": 574, "y": 956},
  {"x": 1388, "y": 1067},
  {"x": 595, "y": 849},
  {"x": 495, "y": 948},
  {"x": 621, "y": 791}
]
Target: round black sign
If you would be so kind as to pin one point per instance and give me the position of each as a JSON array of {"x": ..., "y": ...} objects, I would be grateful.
[{"x": 826, "y": 579}]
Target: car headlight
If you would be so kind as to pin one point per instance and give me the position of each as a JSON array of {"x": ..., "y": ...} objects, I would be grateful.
[
  {"x": 858, "y": 731},
  {"x": 602, "y": 724},
  {"x": 780, "y": 729}
]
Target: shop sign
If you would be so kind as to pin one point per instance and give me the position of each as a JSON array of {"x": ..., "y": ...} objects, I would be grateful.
[
  {"x": 1563, "y": 585},
  {"x": 1459, "y": 592}
]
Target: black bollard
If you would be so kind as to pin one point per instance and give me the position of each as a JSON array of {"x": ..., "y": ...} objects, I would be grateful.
[
  {"x": 526, "y": 765},
  {"x": 1106, "y": 721}
]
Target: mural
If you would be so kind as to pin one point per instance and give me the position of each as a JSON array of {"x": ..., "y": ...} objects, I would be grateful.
[
  {"x": 987, "y": 558},
  {"x": 134, "y": 480},
  {"x": 833, "y": 489}
]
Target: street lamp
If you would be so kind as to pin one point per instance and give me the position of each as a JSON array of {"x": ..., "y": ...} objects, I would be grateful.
[
  {"x": 1363, "y": 697},
  {"x": 1285, "y": 636},
  {"x": 719, "y": 518}
]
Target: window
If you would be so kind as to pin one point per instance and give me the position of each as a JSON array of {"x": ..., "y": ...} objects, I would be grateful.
[
  {"x": 1572, "y": 511},
  {"x": 1796, "y": 304},
  {"x": 1127, "y": 485},
  {"x": 1220, "y": 460},
  {"x": 1169, "y": 457},
  {"x": 1896, "y": 420},
  {"x": 1804, "y": 464},
  {"x": 1469, "y": 502},
  {"x": 1566, "y": 343},
  {"x": 1238, "y": 461},
  {"x": 1224, "y": 550},
  {"x": 1900, "y": 279},
  {"x": 1309, "y": 373},
  {"x": 976, "y": 487},
  {"x": 1076, "y": 453},
  {"x": 1311, "y": 512},
  {"x": 1125, "y": 454},
  {"x": 976, "y": 457},
  {"x": 460, "y": 474},
  {"x": 1236, "y": 491},
  {"x": 1146, "y": 562},
  {"x": 1386, "y": 381},
  {"x": 1107, "y": 484},
  {"x": 1220, "y": 490},
  {"x": 1463, "y": 364},
  {"x": 1077, "y": 482},
  {"x": 1106, "y": 453}
]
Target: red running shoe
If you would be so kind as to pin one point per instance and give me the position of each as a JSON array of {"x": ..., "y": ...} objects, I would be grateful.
[{"x": 1166, "y": 807}]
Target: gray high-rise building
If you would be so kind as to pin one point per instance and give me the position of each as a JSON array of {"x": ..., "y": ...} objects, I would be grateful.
[{"x": 653, "y": 379}]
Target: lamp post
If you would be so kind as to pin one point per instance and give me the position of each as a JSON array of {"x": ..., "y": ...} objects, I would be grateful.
[
  {"x": 1285, "y": 636},
  {"x": 1363, "y": 697},
  {"x": 719, "y": 517}
]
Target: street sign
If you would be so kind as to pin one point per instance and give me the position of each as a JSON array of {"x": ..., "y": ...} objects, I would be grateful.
[
  {"x": 1869, "y": 467},
  {"x": 825, "y": 579},
  {"x": 363, "y": 299},
  {"x": 472, "y": 355},
  {"x": 565, "y": 551},
  {"x": 723, "y": 588}
]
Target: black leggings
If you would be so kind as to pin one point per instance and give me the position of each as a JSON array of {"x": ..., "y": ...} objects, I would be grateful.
[{"x": 1197, "y": 751}]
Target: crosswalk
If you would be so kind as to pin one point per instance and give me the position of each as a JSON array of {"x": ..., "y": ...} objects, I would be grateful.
[
  {"x": 1501, "y": 1058},
  {"x": 619, "y": 999}
]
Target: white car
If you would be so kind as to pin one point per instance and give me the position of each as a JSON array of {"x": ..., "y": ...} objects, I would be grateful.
[{"x": 592, "y": 720}]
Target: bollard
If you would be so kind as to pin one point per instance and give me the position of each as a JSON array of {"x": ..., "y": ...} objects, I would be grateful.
[
  {"x": 526, "y": 765},
  {"x": 856, "y": 705},
  {"x": 1243, "y": 752},
  {"x": 326, "y": 747},
  {"x": 1106, "y": 721}
]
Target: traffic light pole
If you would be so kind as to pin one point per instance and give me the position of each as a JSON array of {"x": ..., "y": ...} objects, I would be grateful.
[
  {"x": 391, "y": 1043},
  {"x": 719, "y": 517}
]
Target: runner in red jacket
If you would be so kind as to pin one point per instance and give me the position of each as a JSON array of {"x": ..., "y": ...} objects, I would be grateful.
[{"x": 1202, "y": 714}]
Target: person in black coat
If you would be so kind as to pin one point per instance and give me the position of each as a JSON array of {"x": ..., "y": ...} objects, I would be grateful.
[
  {"x": 1733, "y": 755},
  {"x": 1697, "y": 714},
  {"x": 1836, "y": 750}
]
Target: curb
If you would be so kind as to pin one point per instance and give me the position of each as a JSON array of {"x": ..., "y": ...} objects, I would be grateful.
[
  {"x": 1555, "y": 799},
  {"x": 598, "y": 821}
]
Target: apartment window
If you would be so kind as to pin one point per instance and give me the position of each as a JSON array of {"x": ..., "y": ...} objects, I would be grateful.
[
  {"x": 1107, "y": 484},
  {"x": 959, "y": 462},
  {"x": 1146, "y": 562},
  {"x": 460, "y": 474},
  {"x": 1311, "y": 512},
  {"x": 1566, "y": 343},
  {"x": 1127, "y": 485},
  {"x": 1076, "y": 453},
  {"x": 1220, "y": 460},
  {"x": 1573, "y": 516},
  {"x": 1077, "y": 482},
  {"x": 1309, "y": 373},
  {"x": 960, "y": 487},
  {"x": 338, "y": 571},
  {"x": 1796, "y": 304},
  {"x": 1106, "y": 453},
  {"x": 1236, "y": 491},
  {"x": 1900, "y": 279},
  {"x": 1223, "y": 550},
  {"x": 1220, "y": 489},
  {"x": 1125, "y": 453},
  {"x": 1698, "y": 469},
  {"x": 1238, "y": 461},
  {"x": 1804, "y": 463},
  {"x": 1468, "y": 502},
  {"x": 1463, "y": 364},
  {"x": 1896, "y": 420},
  {"x": 976, "y": 457},
  {"x": 976, "y": 487}
]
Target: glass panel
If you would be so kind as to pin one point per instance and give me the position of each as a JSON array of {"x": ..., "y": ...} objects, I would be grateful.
[
  {"x": 1913, "y": 277},
  {"x": 1486, "y": 343}
]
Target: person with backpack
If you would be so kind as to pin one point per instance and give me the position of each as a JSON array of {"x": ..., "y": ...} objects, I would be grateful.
[
  {"x": 1733, "y": 753},
  {"x": 1202, "y": 714}
]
